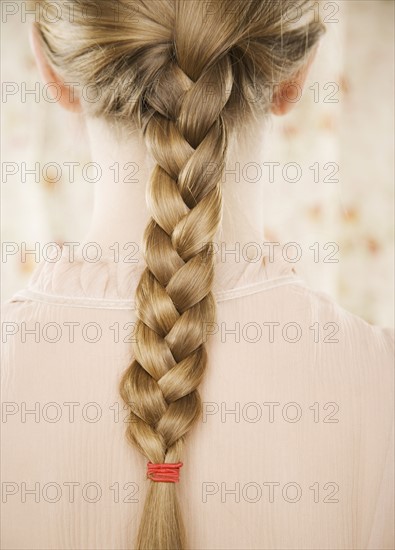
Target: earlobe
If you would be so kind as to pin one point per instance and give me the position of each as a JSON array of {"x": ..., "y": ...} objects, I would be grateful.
[
  {"x": 286, "y": 96},
  {"x": 63, "y": 93},
  {"x": 288, "y": 93}
]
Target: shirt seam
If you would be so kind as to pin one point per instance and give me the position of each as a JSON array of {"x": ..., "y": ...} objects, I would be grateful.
[{"x": 104, "y": 303}]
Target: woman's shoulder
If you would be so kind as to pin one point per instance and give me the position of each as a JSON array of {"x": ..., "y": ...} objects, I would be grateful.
[{"x": 359, "y": 336}]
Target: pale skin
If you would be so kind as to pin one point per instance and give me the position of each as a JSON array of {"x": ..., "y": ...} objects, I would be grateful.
[{"x": 120, "y": 213}]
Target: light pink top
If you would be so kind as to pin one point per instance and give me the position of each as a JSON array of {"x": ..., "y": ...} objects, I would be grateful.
[{"x": 294, "y": 449}]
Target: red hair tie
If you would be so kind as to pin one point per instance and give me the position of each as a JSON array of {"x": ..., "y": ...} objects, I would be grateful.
[{"x": 167, "y": 472}]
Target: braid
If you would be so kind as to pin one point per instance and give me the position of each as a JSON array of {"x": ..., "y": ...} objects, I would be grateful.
[
  {"x": 185, "y": 78},
  {"x": 174, "y": 297}
]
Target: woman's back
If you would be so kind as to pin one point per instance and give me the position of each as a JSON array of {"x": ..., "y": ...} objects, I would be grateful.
[
  {"x": 289, "y": 395},
  {"x": 294, "y": 447}
]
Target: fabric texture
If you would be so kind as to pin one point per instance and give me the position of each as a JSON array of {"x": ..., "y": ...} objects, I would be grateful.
[{"x": 294, "y": 449}]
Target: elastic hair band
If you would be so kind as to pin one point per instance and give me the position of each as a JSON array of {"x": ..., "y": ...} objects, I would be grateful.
[{"x": 166, "y": 472}]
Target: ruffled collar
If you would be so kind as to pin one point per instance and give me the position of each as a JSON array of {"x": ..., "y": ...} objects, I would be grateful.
[{"x": 110, "y": 281}]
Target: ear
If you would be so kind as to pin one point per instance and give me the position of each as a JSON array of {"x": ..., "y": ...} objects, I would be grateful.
[
  {"x": 288, "y": 93},
  {"x": 65, "y": 94}
]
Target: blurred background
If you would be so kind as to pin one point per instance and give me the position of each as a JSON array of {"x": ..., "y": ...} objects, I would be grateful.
[{"x": 332, "y": 192}]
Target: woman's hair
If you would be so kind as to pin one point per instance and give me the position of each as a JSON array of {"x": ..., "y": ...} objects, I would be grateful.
[{"x": 188, "y": 73}]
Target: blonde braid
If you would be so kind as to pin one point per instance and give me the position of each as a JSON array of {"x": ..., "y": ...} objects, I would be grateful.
[{"x": 174, "y": 297}]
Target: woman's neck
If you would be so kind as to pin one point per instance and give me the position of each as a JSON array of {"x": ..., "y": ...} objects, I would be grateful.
[{"x": 120, "y": 213}]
